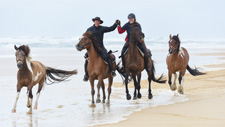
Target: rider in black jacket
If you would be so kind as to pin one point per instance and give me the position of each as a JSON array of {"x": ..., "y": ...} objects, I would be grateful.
[{"x": 98, "y": 32}]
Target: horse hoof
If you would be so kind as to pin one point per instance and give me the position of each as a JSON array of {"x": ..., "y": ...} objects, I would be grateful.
[
  {"x": 134, "y": 97},
  {"x": 92, "y": 105},
  {"x": 128, "y": 97},
  {"x": 180, "y": 90},
  {"x": 173, "y": 87},
  {"x": 98, "y": 100},
  {"x": 13, "y": 110},
  {"x": 139, "y": 96},
  {"x": 103, "y": 101},
  {"x": 150, "y": 96},
  {"x": 35, "y": 107}
]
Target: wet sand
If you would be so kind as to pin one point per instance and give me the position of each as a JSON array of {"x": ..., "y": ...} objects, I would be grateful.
[{"x": 205, "y": 107}]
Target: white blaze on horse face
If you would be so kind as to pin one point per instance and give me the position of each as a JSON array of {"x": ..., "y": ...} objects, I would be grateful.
[{"x": 36, "y": 77}]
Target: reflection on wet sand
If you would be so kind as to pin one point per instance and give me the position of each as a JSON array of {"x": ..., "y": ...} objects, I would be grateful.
[
  {"x": 98, "y": 114},
  {"x": 30, "y": 121}
]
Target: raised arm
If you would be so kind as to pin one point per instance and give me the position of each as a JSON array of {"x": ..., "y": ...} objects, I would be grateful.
[{"x": 111, "y": 28}]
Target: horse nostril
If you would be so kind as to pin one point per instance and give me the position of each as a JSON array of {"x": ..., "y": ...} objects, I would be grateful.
[{"x": 19, "y": 65}]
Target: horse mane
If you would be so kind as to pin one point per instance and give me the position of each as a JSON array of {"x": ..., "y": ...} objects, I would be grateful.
[
  {"x": 176, "y": 38},
  {"x": 25, "y": 49},
  {"x": 94, "y": 41},
  {"x": 133, "y": 29}
]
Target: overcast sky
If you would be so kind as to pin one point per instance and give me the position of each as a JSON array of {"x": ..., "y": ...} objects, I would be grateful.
[{"x": 198, "y": 19}]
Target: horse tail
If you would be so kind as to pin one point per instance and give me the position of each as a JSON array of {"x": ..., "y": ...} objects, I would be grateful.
[
  {"x": 56, "y": 75},
  {"x": 194, "y": 71},
  {"x": 161, "y": 79}
]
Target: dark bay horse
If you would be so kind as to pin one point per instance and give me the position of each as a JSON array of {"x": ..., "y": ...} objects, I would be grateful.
[
  {"x": 97, "y": 68},
  {"x": 134, "y": 63},
  {"x": 177, "y": 61},
  {"x": 31, "y": 73}
]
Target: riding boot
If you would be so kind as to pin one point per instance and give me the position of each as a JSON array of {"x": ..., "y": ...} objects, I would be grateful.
[
  {"x": 123, "y": 62},
  {"x": 146, "y": 60},
  {"x": 86, "y": 77}
]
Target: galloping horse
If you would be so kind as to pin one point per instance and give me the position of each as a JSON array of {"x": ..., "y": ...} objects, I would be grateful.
[
  {"x": 177, "y": 60},
  {"x": 134, "y": 65},
  {"x": 97, "y": 68},
  {"x": 32, "y": 72}
]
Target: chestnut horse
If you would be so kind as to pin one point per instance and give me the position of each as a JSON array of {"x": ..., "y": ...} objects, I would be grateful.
[
  {"x": 97, "y": 68},
  {"x": 134, "y": 65},
  {"x": 32, "y": 72},
  {"x": 177, "y": 61}
]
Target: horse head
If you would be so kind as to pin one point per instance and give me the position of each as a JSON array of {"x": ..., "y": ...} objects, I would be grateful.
[
  {"x": 22, "y": 53},
  {"x": 136, "y": 34},
  {"x": 174, "y": 44},
  {"x": 85, "y": 41}
]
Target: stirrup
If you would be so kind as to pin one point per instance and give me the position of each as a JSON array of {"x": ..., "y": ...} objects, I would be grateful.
[
  {"x": 113, "y": 74},
  {"x": 148, "y": 69}
]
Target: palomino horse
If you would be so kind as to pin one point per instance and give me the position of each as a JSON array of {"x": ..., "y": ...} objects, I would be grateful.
[
  {"x": 32, "y": 72},
  {"x": 177, "y": 60},
  {"x": 134, "y": 65},
  {"x": 97, "y": 68}
]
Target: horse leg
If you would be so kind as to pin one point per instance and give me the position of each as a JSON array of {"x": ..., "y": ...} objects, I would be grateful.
[
  {"x": 126, "y": 85},
  {"x": 40, "y": 86},
  {"x": 98, "y": 100},
  {"x": 174, "y": 86},
  {"x": 135, "y": 87},
  {"x": 103, "y": 92},
  {"x": 92, "y": 91},
  {"x": 149, "y": 88},
  {"x": 109, "y": 88},
  {"x": 30, "y": 99},
  {"x": 139, "y": 86},
  {"x": 181, "y": 81},
  {"x": 17, "y": 97}
]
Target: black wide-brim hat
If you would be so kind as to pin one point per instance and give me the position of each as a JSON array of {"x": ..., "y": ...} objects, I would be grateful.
[{"x": 97, "y": 18}]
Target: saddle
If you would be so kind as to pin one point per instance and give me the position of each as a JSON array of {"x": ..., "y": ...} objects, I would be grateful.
[{"x": 112, "y": 56}]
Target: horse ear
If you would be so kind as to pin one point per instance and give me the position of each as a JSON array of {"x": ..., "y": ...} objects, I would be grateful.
[
  {"x": 177, "y": 35},
  {"x": 15, "y": 47},
  {"x": 170, "y": 36},
  {"x": 89, "y": 33}
]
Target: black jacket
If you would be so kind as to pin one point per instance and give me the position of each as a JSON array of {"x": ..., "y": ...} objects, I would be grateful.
[{"x": 98, "y": 32}]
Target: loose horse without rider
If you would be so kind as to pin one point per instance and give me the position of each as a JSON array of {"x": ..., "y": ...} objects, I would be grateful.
[
  {"x": 134, "y": 64},
  {"x": 177, "y": 61},
  {"x": 31, "y": 73},
  {"x": 97, "y": 68}
]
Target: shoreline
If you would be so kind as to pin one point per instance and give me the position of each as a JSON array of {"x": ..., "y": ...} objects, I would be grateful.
[{"x": 205, "y": 106}]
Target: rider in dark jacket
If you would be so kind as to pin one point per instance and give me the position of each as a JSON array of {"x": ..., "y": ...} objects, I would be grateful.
[
  {"x": 141, "y": 45},
  {"x": 98, "y": 32}
]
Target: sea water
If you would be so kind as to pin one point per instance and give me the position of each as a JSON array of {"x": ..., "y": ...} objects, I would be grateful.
[{"x": 67, "y": 104}]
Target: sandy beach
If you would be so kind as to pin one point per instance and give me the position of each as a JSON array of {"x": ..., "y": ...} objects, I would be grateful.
[
  {"x": 205, "y": 107},
  {"x": 67, "y": 103}
]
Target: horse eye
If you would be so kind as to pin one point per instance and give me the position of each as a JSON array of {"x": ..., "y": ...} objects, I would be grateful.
[{"x": 85, "y": 39}]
